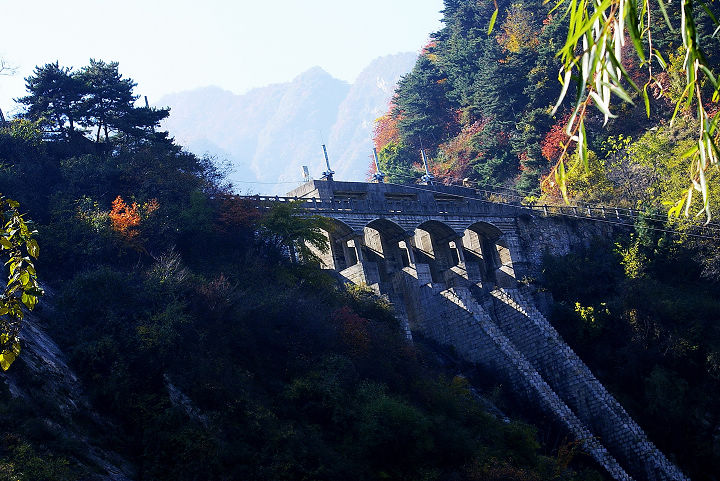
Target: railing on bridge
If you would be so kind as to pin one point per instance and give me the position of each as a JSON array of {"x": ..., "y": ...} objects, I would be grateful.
[
  {"x": 461, "y": 206},
  {"x": 468, "y": 206}
]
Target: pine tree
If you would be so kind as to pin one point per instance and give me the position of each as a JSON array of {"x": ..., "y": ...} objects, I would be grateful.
[{"x": 55, "y": 95}]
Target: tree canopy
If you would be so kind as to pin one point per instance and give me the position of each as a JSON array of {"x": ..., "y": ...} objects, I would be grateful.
[
  {"x": 499, "y": 117},
  {"x": 601, "y": 37},
  {"x": 169, "y": 287},
  {"x": 93, "y": 100}
]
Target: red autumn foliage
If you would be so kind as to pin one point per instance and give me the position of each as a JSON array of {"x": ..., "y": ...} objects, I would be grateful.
[
  {"x": 637, "y": 74},
  {"x": 503, "y": 138},
  {"x": 551, "y": 145},
  {"x": 125, "y": 219},
  {"x": 712, "y": 108},
  {"x": 372, "y": 169},
  {"x": 457, "y": 155},
  {"x": 386, "y": 129},
  {"x": 429, "y": 46},
  {"x": 236, "y": 212},
  {"x": 353, "y": 330},
  {"x": 385, "y": 132}
]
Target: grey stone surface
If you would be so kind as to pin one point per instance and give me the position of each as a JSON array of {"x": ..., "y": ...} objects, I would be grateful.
[{"x": 450, "y": 263}]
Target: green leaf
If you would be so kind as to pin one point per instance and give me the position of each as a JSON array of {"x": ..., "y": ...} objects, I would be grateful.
[
  {"x": 492, "y": 21},
  {"x": 588, "y": 24},
  {"x": 565, "y": 85},
  {"x": 29, "y": 300},
  {"x": 677, "y": 209},
  {"x": 33, "y": 248},
  {"x": 665, "y": 14},
  {"x": 709, "y": 74},
  {"x": 632, "y": 22},
  {"x": 647, "y": 100},
  {"x": 690, "y": 152},
  {"x": 6, "y": 359},
  {"x": 620, "y": 92},
  {"x": 561, "y": 178},
  {"x": 679, "y": 103},
  {"x": 711, "y": 143},
  {"x": 660, "y": 58},
  {"x": 709, "y": 12},
  {"x": 625, "y": 74},
  {"x": 601, "y": 105},
  {"x": 583, "y": 146}
]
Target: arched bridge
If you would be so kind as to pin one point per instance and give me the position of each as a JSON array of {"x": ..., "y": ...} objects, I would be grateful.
[
  {"x": 449, "y": 260},
  {"x": 452, "y": 231},
  {"x": 444, "y": 233}
]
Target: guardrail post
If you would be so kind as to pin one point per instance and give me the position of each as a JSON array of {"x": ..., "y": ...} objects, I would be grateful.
[{"x": 545, "y": 211}]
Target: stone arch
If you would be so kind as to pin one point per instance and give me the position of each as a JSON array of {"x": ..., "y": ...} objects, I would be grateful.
[
  {"x": 382, "y": 240},
  {"x": 487, "y": 245},
  {"x": 436, "y": 245},
  {"x": 340, "y": 239}
]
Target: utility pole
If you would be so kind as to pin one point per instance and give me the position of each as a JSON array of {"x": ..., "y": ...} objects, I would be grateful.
[
  {"x": 428, "y": 178},
  {"x": 379, "y": 175},
  {"x": 328, "y": 174}
]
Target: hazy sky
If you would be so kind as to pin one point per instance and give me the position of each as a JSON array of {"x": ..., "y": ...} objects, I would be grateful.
[{"x": 172, "y": 45}]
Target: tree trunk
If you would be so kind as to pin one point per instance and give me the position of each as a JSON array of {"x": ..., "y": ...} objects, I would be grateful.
[{"x": 3, "y": 123}]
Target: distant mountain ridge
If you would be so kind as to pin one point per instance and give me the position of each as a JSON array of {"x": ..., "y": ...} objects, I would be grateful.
[{"x": 270, "y": 132}]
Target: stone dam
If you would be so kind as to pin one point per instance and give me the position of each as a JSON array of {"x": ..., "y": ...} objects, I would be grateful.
[{"x": 452, "y": 264}]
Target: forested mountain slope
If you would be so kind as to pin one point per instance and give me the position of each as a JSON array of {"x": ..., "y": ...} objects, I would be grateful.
[
  {"x": 194, "y": 348},
  {"x": 642, "y": 310},
  {"x": 480, "y": 105}
]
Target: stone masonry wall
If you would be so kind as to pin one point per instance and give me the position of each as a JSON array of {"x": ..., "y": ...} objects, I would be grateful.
[
  {"x": 452, "y": 317},
  {"x": 533, "y": 335},
  {"x": 500, "y": 328},
  {"x": 504, "y": 332},
  {"x": 557, "y": 236}
]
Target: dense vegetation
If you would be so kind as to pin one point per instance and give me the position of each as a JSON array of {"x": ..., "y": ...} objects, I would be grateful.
[
  {"x": 210, "y": 354},
  {"x": 214, "y": 356},
  {"x": 647, "y": 325},
  {"x": 480, "y": 105},
  {"x": 642, "y": 310}
]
